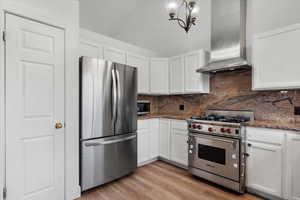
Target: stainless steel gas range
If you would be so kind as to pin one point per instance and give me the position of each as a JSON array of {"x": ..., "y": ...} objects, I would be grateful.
[{"x": 217, "y": 147}]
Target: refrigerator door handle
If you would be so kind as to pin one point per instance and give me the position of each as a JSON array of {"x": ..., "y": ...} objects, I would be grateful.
[
  {"x": 118, "y": 90},
  {"x": 115, "y": 100},
  {"x": 92, "y": 144}
]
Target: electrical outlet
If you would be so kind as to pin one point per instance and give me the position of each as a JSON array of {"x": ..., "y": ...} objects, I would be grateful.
[
  {"x": 297, "y": 110},
  {"x": 181, "y": 107}
]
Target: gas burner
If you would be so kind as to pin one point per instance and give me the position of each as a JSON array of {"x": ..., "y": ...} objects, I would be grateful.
[
  {"x": 228, "y": 119},
  {"x": 218, "y": 122}
]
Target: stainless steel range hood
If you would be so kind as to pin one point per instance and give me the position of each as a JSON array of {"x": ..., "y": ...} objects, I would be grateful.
[{"x": 228, "y": 36}]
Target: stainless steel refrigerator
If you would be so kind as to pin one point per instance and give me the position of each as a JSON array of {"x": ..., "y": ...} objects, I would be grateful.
[{"x": 108, "y": 119}]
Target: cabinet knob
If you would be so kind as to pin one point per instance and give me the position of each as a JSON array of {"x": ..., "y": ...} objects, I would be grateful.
[
  {"x": 249, "y": 145},
  {"x": 59, "y": 125}
]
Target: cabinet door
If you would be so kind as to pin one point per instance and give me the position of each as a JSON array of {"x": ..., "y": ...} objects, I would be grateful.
[
  {"x": 293, "y": 166},
  {"x": 195, "y": 82},
  {"x": 264, "y": 168},
  {"x": 114, "y": 55},
  {"x": 154, "y": 138},
  {"x": 90, "y": 50},
  {"x": 276, "y": 59},
  {"x": 176, "y": 67},
  {"x": 142, "y": 63},
  {"x": 143, "y": 145},
  {"x": 164, "y": 138},
  {"x": 159, "y": 75},
  {"x": 179, "y": 148}
]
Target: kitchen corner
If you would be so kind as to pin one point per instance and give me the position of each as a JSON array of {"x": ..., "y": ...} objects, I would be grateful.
[{"x": 231, "y": 91}]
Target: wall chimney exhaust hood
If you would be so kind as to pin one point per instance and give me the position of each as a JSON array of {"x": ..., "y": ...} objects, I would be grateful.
[{"x": 228, "y": 36}]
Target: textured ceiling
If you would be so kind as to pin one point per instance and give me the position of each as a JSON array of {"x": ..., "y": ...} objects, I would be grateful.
[{"x": 145, "y": 23}]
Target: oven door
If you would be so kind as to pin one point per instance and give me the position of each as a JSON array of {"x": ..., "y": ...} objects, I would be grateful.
[{"x": 217, "y": 155}]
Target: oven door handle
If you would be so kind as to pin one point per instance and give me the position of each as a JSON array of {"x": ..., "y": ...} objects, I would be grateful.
[{"x": 216, "y": 139}]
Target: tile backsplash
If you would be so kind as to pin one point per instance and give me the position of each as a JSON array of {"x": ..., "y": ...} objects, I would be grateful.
[{"x": 232, "y": 91}]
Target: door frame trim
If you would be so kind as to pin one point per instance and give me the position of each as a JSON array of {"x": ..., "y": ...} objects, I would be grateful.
[{"x": 70, "y": 24}]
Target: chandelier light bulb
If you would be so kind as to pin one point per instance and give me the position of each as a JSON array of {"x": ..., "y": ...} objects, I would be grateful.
[{"x": 172, "y": 7}]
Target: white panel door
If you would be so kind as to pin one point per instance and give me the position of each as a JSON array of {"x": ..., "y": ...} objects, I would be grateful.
[
  {"x": 176, "y": 67},
  {"x": 159, "y": 76},
  {"x": 142, "y": 63},
  {"x": 34, "y": 103},
  {"x": 195, "y": 82},
  {"x": 154, "y": 138},
  {"x": 293, "y": 166},
  {"x": 164, "y": 138},
  {"x": 114, "y": 55},
  {"x": 264, "y": 168}
]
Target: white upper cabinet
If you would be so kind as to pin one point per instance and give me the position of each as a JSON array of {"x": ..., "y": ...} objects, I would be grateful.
[
  {"x": 276, "y": 63},
  {"x": 293, "y": 165},
  {"x": 142, "y": 63},
  {"x": 195, "y": 82},
  {"x": 176, "y": 68},
  {"x": 91, "y": 50},
  {"x": 159, "y": 76},
  {"x": 115, "y": 55}
]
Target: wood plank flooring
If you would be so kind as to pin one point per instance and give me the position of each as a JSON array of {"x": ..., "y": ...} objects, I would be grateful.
[{"x": 161, "y": 181}]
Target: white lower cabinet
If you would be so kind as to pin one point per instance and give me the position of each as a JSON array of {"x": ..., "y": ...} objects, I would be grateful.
[
  {"x": 143, "y": 135},
  {"x": 178, "y": 142},
  {"x": 148, "y": 140},
  {"x": 154, "y": 138},
  {"x": 164, "y": 138},
  {"x": 293, "y": 166},
  {"x": 265, "y": 162},
  {"x": 264, "y": 167}
]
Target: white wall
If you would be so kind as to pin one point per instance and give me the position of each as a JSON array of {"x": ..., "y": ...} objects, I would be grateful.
[
  {"x": 111, "y": 42},
  {"x": 64, "y": 14}
]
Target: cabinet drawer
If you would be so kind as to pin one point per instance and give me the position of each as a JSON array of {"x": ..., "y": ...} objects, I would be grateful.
[
  {"x": 143, "y": 124},
  {"x": 179, "y": 125},
  {"x": 271, "y": 136}
]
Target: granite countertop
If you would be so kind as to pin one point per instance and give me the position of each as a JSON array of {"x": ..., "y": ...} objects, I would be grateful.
[
  {"x": 292, "y": 126},
  {"x": 167, "y": 116}
]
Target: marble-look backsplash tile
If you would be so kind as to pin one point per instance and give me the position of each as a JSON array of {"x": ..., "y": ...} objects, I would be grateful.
[{"x": 230, "y": 90}]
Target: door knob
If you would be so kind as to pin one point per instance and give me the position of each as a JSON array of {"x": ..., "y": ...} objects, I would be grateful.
[{"x": 58, "y": 125}]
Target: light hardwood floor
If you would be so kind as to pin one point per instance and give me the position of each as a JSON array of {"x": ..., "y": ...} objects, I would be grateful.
[{"x": 161, "y": 181}]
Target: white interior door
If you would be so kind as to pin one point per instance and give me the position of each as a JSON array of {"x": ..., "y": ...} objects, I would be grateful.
[{"x": 34, "y": 104}]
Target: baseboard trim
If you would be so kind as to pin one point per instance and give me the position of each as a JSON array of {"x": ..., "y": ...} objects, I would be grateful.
[
  {"x": 147, "y": 162},
  {"x": 262, "y": 194},
  {"x": 173, "y": 163},
  {"x": 77, "y": 192}
]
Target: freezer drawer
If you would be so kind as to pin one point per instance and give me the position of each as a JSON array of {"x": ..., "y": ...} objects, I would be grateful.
[{"x": 107, "y": 159}]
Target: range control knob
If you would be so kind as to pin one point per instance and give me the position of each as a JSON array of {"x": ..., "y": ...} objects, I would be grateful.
[
  {"x": 210, "y": 129},
  {"x": 223, "y": 130},
  {"x": 199, "y": 127},
  {"x": 194, "y": 126},
  {"x": 229, "y": 131}
]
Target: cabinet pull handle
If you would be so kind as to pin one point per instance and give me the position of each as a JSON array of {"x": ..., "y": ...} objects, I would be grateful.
[{"x": 246, "y": 154}]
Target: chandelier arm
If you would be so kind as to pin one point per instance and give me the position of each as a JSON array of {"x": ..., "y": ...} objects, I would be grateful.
[{"x": 179, "y": 21}]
